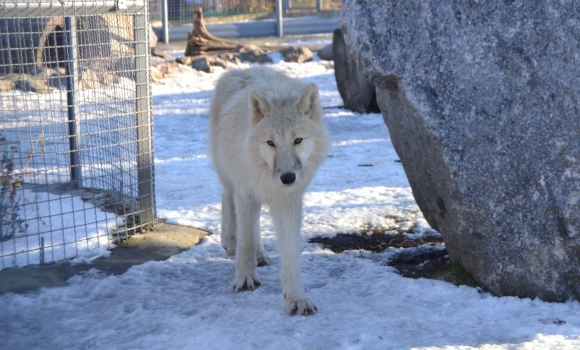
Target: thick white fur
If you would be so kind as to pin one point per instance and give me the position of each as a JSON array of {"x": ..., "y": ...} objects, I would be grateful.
[{"x": 249, "y": 108}]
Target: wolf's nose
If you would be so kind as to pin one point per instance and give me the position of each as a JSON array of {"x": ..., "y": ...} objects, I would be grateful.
[{"x": 288, "y": 178}]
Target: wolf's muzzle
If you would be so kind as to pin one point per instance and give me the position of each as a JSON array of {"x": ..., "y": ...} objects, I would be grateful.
[{"x": 288, "y": 178}]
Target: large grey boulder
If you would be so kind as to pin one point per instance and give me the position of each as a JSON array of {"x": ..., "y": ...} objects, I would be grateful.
[
  {"x": 358, "y": 94},
  {"x": 482, "y": 99}
]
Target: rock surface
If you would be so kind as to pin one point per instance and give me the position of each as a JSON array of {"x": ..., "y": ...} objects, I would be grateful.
[
  {"x": 297, "y": 54},
  {"x": 96, "y": 79},
  {"x": 357, "y": 93},
  {"x": 168, "y": 68},
  {"x": 156, "y": 73},
  {"x": 481, "y": 100},
  {"x": 152, "y": 39},
  {"x": 203, "y": 64},
  {"x": 253, "y": 54},
  {"x": 326, "y": 53},
  {"x": 26, "y": 82}
]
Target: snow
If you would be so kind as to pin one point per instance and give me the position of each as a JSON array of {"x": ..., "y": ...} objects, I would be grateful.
[
  {"x": 300, "y": 40},
  {"x": 71, "y": 228},
  {"x": 187, "y": 302}
]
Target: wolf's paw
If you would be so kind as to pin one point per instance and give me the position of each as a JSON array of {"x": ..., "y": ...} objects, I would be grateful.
[
  {"x": 245, "y": 283},
  {"x": 262, "y": 258},
  {"x": 299, "y": 306},
  {"x": 229, "y": 244}
]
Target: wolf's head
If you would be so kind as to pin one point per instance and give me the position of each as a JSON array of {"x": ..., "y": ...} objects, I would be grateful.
[{"x": 289, "y": 133}]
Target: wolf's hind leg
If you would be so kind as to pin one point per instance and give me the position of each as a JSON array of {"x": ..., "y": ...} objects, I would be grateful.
[
  {"x": 228, "y": 233},
  {"x": 261, "y": 256}
]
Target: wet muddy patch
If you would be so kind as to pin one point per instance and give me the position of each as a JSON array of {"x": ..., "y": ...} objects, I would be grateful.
[
  {"x": 414, "y": 256},
  {"x": 375, "y": 242}
]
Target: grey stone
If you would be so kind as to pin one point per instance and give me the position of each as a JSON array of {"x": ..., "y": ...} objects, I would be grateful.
[
  {"x": 253, "y": 54},
  {"x": 26, "y": 82},
  {"x": 357, "y": 93},
  {"x": 96, "y": 79},
  {"x": 156, "y": 73},
  {"x": 40, "y": 82},
  {"x": 297, "y": 54},
  {"x": 168, "y": 68},
  {"x": 229, "y": 57},
  {"x": 482, "y": 99},
  {"x": 6, "y": 83},
  {"x": 203, "y": 64},
  {"x": 218, "y": 62},
  {"x": 53, "y": 78},
  {"x": 326, "y": 53},
  {"x": 185, "y": 60},
  {"x": 152, "y": 39}
]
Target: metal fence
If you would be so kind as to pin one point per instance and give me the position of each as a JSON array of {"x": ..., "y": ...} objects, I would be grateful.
[
  {"x": 76, "y": 126},
  {"x": 243, "y": 18}
]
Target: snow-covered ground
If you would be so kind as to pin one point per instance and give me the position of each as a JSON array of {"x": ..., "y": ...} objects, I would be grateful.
[
  {"x": 187, "y": 302},
  {"x": 36, "y": 125},
  {"x": 71, "y": 228}
]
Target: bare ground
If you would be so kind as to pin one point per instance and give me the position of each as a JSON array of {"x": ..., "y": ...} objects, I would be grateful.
[
  {"x": 156, "y": 244},
  {"x": 431, "y": 264}
]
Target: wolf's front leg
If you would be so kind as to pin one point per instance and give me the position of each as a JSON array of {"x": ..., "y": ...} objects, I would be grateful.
[
  {"x": 287, "y": 216},
  {"x": 247, "y": 231}
]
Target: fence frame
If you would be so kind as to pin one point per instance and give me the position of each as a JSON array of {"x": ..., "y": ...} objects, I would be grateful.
[
  {"x": 143, "y": 115},
  {"x": 72, "y": 85}
]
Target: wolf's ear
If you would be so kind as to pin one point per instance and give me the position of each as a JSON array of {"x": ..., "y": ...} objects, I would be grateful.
[
  {"x": 309, "y": 103},
  {"x": 258, "y": 105}
]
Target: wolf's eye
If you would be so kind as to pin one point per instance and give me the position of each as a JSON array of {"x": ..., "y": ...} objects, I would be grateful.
[
  {"x": 271, "y": 143},
  {"x": 297, "y": 141}
]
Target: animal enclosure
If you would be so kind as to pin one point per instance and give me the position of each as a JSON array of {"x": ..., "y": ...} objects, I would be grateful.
[
  {"x": 76, "y": 127},
  {"x": 182, "y": 11}
]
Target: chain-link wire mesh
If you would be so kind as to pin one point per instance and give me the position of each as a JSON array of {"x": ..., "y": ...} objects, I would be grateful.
[
  {"x": 219, "y": 11},
  {"x": 76, "y": 135}
]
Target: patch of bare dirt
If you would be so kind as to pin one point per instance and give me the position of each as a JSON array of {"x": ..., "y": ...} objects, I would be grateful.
[
  {"x": 376, "y": 242},
  {"x": 411, "y": 263}
]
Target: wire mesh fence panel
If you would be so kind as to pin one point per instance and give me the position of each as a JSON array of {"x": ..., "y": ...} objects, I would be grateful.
[
  {"x": 155, "y": 11},
  {"x": 75, "y": 134},
  {"x": 181, "y": 11},
  {"x": 246, "y": 18},
  {"x": 313, "y": 5}
]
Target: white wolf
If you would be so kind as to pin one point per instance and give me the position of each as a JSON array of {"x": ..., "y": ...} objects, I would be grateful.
[{"x": 267, "y": 141}]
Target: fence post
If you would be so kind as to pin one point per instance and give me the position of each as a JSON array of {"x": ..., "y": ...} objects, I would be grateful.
[
  {"x": 279, "y": 18},
  {"x": 143, "y": 120},
  {"x": 72, "y": 81},
  {"x": 319, "y": 5},
  {"x": 165, "y": 21}
]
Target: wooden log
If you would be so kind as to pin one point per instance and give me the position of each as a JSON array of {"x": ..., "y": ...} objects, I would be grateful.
[{"x": 201, "y": 42}]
